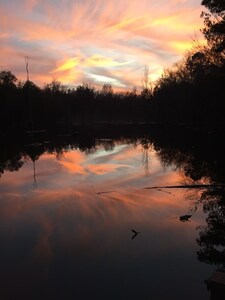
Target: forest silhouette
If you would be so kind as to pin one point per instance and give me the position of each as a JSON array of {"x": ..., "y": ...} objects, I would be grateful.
[{"x": 189, "y": 94}]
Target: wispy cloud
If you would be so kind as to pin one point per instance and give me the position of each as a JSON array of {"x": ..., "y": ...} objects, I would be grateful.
[{"x": 70, "y": 39}]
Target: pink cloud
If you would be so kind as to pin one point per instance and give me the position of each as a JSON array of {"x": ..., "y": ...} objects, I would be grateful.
[{"x": 75, "y": 37}]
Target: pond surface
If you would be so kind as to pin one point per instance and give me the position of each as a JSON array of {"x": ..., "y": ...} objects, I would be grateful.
[{"x": 66, "y": 224}]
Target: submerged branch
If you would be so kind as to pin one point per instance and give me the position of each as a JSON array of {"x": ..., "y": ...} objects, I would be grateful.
[{"x": 106, "y": 192}]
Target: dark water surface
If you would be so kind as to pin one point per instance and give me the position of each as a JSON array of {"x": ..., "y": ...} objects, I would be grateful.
[{"x": 66, "y": 218}]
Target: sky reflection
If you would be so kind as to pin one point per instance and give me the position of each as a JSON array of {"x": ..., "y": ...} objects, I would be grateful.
[{"x": 71, "y": 235}]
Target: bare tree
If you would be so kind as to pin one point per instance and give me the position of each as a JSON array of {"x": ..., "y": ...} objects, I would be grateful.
[
  {"x": 147, "y": 87},
  {"x": 26, "y": 58}
]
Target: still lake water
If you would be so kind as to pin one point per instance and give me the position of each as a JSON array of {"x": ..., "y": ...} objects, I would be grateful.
[{"x": 66, "y": 221}]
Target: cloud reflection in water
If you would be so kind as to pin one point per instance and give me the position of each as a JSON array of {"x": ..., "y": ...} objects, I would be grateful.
[{"x": 66, "y": 240}]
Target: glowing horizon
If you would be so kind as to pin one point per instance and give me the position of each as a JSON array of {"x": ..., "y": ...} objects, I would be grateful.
[{"x": 96, "y": 41}]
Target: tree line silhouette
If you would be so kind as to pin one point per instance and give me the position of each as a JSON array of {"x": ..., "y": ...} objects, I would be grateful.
[{"x": 188, "y": 94}]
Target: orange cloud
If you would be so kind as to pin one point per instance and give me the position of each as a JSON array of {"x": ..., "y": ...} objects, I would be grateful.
[
  {"x": 92, "y": 61},
  {"x": 67, "y": 65},
  {"x": 182, "y": 46},
  {"x": 137, "y": 33},
  {"x": 101, "y": 61}
]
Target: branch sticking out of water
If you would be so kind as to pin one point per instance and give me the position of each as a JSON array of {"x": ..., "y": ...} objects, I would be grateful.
[{"x": 193, "y": 186}]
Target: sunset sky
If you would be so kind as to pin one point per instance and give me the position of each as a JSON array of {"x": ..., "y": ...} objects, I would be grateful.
[{"x": 96, "y": 41}]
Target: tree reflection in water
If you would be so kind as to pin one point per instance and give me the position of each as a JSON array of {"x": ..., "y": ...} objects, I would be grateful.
[
  {"x": 199, "y": 156},
  {"x": 211, "y": 239}
]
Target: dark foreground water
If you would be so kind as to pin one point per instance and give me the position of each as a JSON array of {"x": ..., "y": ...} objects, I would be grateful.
[{"x": 66, "y": 221}]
